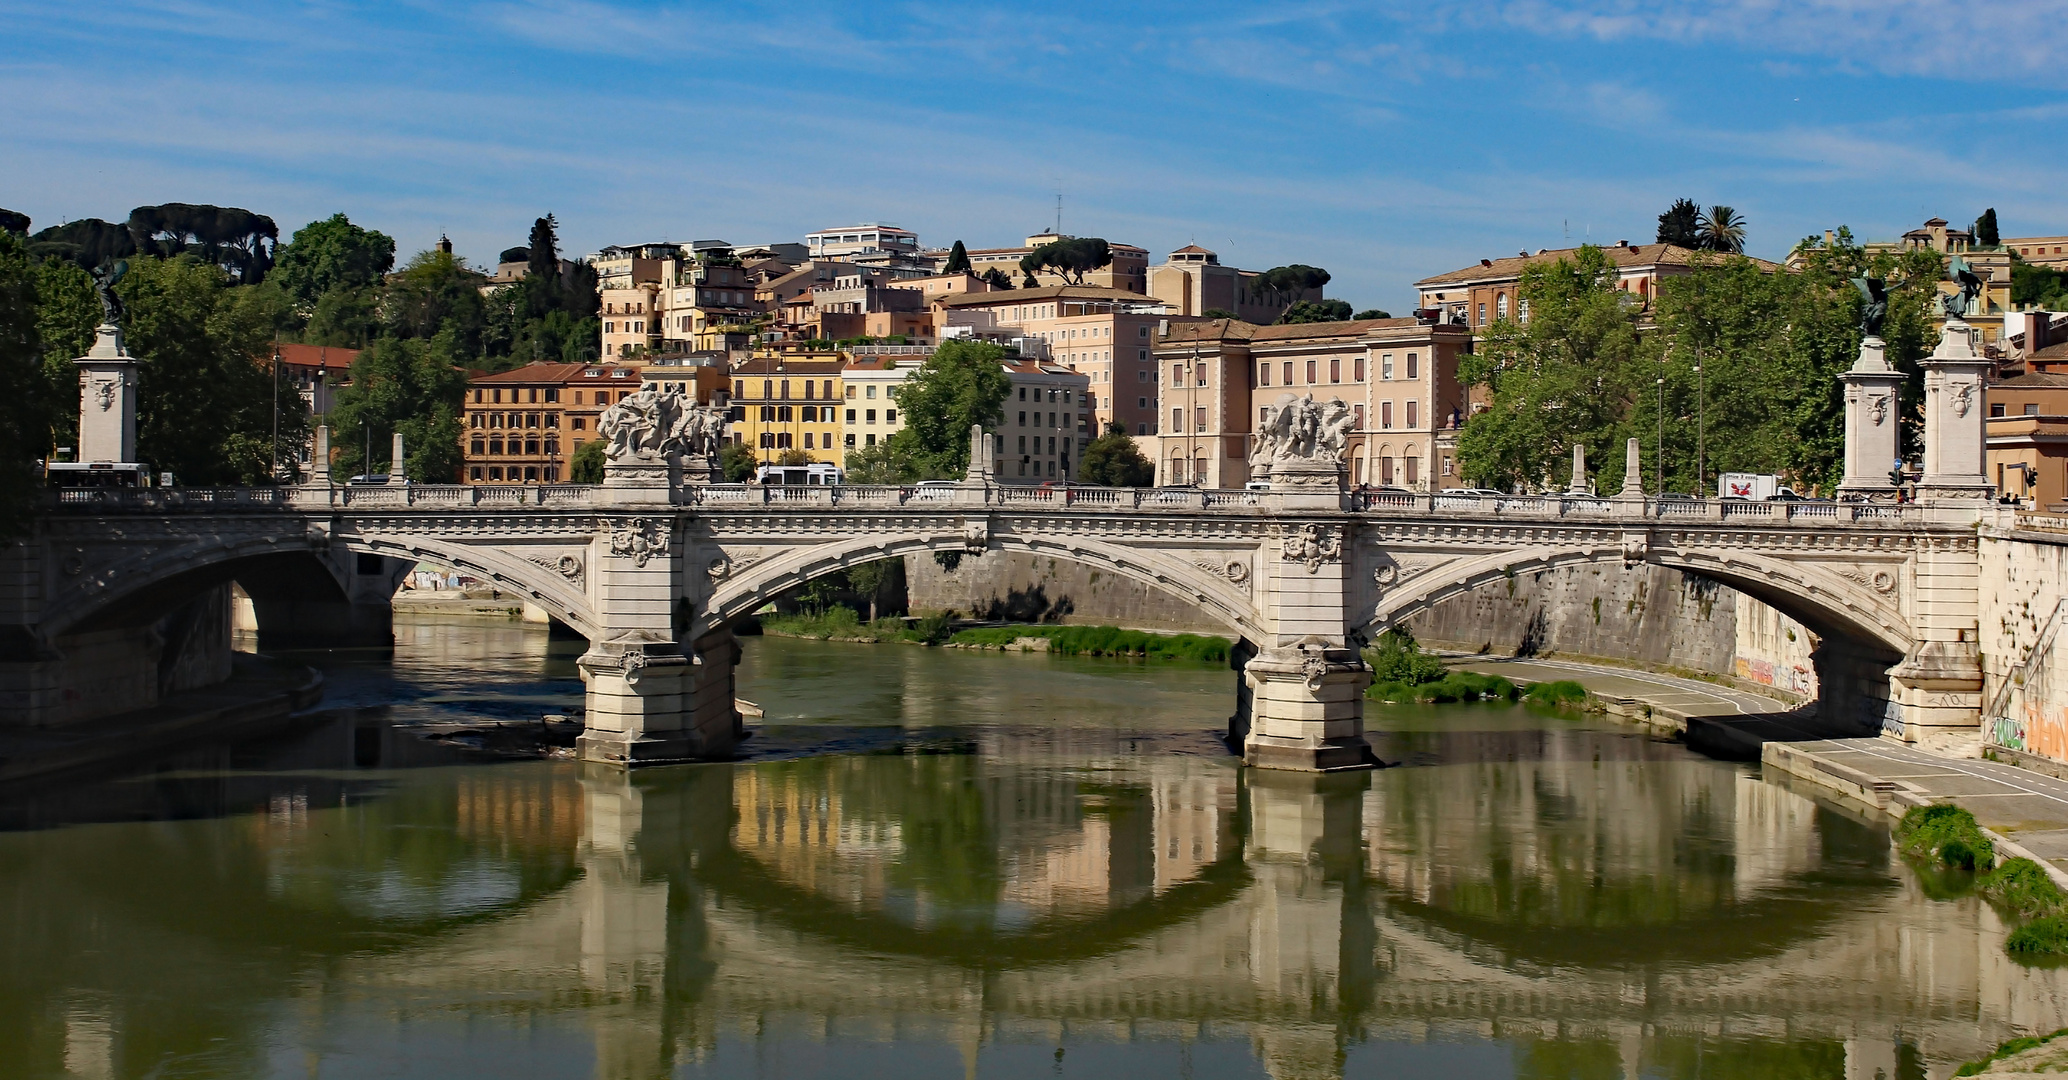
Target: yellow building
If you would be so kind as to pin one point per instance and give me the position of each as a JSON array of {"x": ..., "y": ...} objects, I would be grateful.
[{"x": 789, "y": 402}]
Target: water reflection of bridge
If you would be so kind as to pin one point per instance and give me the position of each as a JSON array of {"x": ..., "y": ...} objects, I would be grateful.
[{"x": 1636, "y": 908}]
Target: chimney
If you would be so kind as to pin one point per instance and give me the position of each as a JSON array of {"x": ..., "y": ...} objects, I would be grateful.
[
  {"x": 1622, "y": 243},
  {"x": 1486, "y": 262}
]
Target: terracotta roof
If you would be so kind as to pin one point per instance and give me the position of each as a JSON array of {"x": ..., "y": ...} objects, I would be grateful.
[
  {"x": 765, "y": 365},
  {"x": 316, "y": 355},
  {"x": 1192, "y": 249},
  {"x": 1622, "y": 257},
  {"x": 556, "y": 374},
  {"x": 2037, "y": 380},
  {"x": 1237, "y": 330},
  {"x": 1047, "y": 292},
  {"x": 2056, "y": 351}
]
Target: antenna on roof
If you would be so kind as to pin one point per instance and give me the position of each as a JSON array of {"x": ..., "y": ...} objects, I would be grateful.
[{"x": 1059, "y": 208}]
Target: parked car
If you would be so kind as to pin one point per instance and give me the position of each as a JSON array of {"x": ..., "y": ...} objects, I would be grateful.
[
  {"x": 1477, "y": 493},
  {"x": 932, "y": 491}
]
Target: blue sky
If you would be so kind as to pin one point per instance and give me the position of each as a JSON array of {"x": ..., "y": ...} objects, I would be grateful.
[{"x": 1385, "y": 141}]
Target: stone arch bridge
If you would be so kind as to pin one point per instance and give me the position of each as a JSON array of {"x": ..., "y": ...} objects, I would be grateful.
[{"x": 654, "y": 573}]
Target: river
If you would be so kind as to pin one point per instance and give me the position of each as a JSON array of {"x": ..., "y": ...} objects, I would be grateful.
[{"x": 940, "y": 863}]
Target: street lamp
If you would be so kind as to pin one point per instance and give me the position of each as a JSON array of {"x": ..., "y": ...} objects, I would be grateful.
[
  {"x": 1660, "y": 452},
  {"x": 1701, "y": 428}
]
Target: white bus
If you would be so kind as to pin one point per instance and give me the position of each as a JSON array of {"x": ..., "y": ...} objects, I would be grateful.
[{"x": 818, "y": 473}]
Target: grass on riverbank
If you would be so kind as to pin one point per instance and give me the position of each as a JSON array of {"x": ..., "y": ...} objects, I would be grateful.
[
  {"x": 1557, "y": 692},
  {"x": 1100, "y": 641},
  {"x": 843, "y": 624},
  {"x": 2020, "y": 1048},
  {"x": 2021, "y": 889},
  {"x": 1453, "y": 686}
]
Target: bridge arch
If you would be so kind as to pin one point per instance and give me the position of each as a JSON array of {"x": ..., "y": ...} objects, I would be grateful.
[
  {"x": 741, "y": 587},
  {"x": 1806, "y": 592},
  {"x": 126, "y": 590}
]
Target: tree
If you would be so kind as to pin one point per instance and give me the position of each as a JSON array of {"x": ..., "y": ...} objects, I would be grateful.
[
  {"x": 205, "y": 387},
  {"x": 1282, "y": 285},
  {"x": 406, "y": 385},
  {"x": 736, "y": 462},
  {"x": 235, "y": 239},
  {"x": 958, "y": 260},
  {"x": 1985, "y": 229},
  {"x": 1070, "y": 258},
  {"x": 1372, "y": 313},
  {"x": 1681, "y": 225},
  {"x": 345, "y": 317},
  {"x": 1218, "y": 313},
  {"x": 585, "y": 466},
  {"x": 1114, "y": 460},
  {"x": 962, "y": 384},
  {"x": 878, "y": 464},
  {"x": 996, "y": 278},
  {"x": 332, "y": 254},
  {"x": 436, "y": 291},
  {"x": 1313, "y": 311},
  {"x": 67, "y": 313},
  {"x": 88, "y": 242},
  {"x": 1029, "y": 281},
  {"x": 1723, "y": 231},
  {"x": 792, "y": 456},
  {"x": 26, "y": 401},
  {"x": 1566, "y": 376},
  {"x": 869, "y": 580},
  {"x": 14, "y": 222}
]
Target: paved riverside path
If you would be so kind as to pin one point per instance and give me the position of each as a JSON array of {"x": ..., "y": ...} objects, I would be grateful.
[
  {"x": 1664, "y": 693},
  {"x": 2029, "y": 808}
]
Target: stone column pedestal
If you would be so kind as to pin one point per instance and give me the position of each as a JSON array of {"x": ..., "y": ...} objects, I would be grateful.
[
  {"x": 1936, "y": 690},
  {"x": 1955, "y": 429},
  {"x": 1307, "y": 708},
  {"x": 638, "y": 703},
  {"x": 107, "y": 400},
  {"x": 1873, "y": 408}
]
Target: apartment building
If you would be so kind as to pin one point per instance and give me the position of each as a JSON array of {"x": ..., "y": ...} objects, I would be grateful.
[
  {"x": 789, "y": 402},
  {"x": 1220, "y": 378},
  {"x": 656, "y": 298},
  {"x": 1477, "y": 296},
  {"x": 2047, "y": 251},
  {"x": 1106, "y": 335},
  {"x": 1129, "y": 270},
  {"x": 874, "y": 246},
  {"x": 522, "y": 426},
  {"x": 1193, "y": 282},
  {"x": 1042, "y": 435}
]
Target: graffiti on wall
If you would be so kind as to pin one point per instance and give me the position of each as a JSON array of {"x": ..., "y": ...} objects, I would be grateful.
[{"x": 1793, "y": 678}]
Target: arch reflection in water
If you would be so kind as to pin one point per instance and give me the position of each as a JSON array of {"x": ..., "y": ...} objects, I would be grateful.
[{"x": 1556, "y": 902}]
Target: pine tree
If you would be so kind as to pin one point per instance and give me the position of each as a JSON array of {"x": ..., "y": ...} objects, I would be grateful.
[
  {"x": 1985, "y": 229},
  {"x": 958, "y": 260}
]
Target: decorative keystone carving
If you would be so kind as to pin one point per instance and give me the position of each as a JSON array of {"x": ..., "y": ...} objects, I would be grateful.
[
  {"x": 639, "y": 539},
  {"x": 1881, "y": 581},
  {"x": 1637, "y": 546},
  {"x": 1313, "y": 546},
  {"x": 1963, "y": 398},
  {"x": 1315, "y": 667},
  {"x": 104, "y": 393},
  {"x": 567, "y": 566},
  {"x": 1235, "y": 570},
  {"x": 1877, "y": 409},
  {"x": 976, "y": 535}
]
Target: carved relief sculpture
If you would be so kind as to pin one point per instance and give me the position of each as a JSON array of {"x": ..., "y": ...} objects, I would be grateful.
[
  {"x": 650, "y": 425},
  {"x": 1302, "y": 429},
  {"x": 1311, "y": 546},
  {"x": 639, "y": 539}
]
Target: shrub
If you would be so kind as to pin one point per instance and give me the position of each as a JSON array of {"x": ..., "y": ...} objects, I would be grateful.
[
  {"x": 2021, "y": 886},
  {"x": 1926, "y": 831},
  {"x": 1102, "y": 641},
  {"x": 1396, "y": 657},
  {"x": 1558, "y": 692},
  {"x": 2044, "y": 936}
]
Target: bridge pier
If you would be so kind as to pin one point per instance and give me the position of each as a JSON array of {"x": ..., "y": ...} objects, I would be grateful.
[{"x": 1305, "y": 690}]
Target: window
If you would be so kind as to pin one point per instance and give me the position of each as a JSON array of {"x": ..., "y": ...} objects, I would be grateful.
[
  {"x": 1411, "y": 413},
  {"x": 767, "y": 389},
  {"x": 1051, "y": 444},
  {"x": 499, "y": 395},
  {"x": 1414, "y": 468},
  {"x": 477, "y": 401},
  {"x": 826, "y": 388},
  {"x": 1023, "y": 419},
  {"x": 850, "y": 412},
  {"x": 869, "y": 416},
  {"x": 1263, "y": 415},
  {"x": 1177, "y": 421},
  {"x": 1310, "y": 373},
  {"x": 2032, "y": 409},
  {"x": 474, "y": 419},
  {"x": 768, "y": 414},
  {"x": 808, "y": 388},
  {"x": 495, "y": 446},
  {"x": 1357, "y": 370},
  {"x": 1413, "y": 368},
  {"x": 1386, "y": 366},
  {"x": 1141, "y": 403},
  {"x": 531, "y": 420},
  {"x": 1141, "y": 429},
  {"x": 1357, "y": 413},
  {"x": 807, "y": 439},
  {"x": 1482, "y": 314},
  {"x": 1501, "y": 306},
  {"x": 553, "y": 420},
  {"x": 1142, "y": 376},
  {"x": 810, "y": 413},
  {"x": 872, "y": 438},
  {"x": 1996, "y": 408},
  {"x": 850, "y": 392},
  {"x": 534, "y": 395},
  {"x": 850, "y": 439},
  {"x": 1335, "y": 369},
  {"x": 1023, "y": 393},
  {"x": 495, "y": 472},
  {"x": 552, "y": 446},
  {"x": 1385, "y": 414},
  {"x": 578, "y": 396},
  {"x": 475, "y": 472},
  {"x": 1263, "y": 374},
  {"x": 553, "y": 394},
  {"x": 890, "y": 416},
  {"x": 1023, "y": 444},
  {"x": 1199, "y": 423},
  {"x": 479, "y": 447},
  {"x": 1288, "y": 373},
  {"x": 577, "y": 423},
  {"x": 783, "y": 414},
  {"x": 531, "y": 446},
  {"x": 1177, "y": 374},
  {"x": 1144, "y": 331}
]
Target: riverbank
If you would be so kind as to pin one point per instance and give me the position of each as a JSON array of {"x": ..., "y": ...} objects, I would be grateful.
[
  {"x": 261, "y": 691},
  {"x": 2024, "y": 813},
  {"x": 843, "y": 625}
]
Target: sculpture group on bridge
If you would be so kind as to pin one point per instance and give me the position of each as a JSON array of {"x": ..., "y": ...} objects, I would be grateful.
[
  {"x": 650, "y": 425},
  {"x": 1300, "y": 428}
]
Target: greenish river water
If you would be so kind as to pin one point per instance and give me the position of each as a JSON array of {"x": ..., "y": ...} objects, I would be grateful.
[{"x": 939, "y": 863}]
